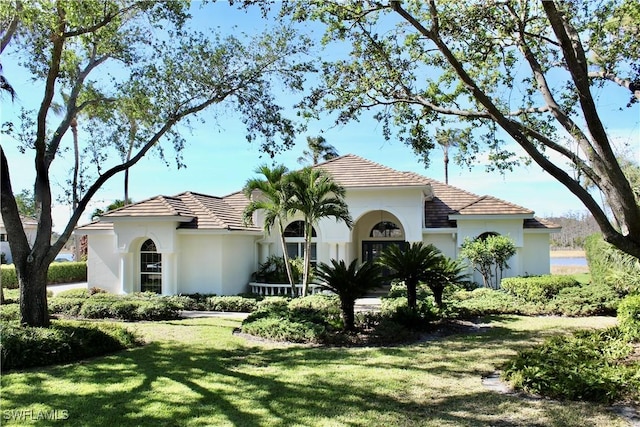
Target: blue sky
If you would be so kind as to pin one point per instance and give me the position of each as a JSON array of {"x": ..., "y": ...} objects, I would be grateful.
[{"x": 219, "y": 159}]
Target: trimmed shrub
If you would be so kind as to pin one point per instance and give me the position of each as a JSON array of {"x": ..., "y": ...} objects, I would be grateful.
[
  {"x": 327, "y": 306},
  {"x": 537, "y": 289},
  {"x": 96, "y": 309},
  {"x": 73, "y": 293},
  {"x": 588, "y": 300},
  {"x": 231, "y": 304},
  {"x": 9, "y": 278},
  {"x": 484, "y": 302},
  {"x": 10, "y": 312},
  {"x": 273, "y": 303},
  {"x": 584, "y": 366},
  {"x": 59, "y": 272},
  {"x": 63, "y": 342},
  {"x": 398, "y": 311},
  {"x": 629, "y": 317},
  {"x": 65, "y": 306},
  {"x": 285, "y": 330}
]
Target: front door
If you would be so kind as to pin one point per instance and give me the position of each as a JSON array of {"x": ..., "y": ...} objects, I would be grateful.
[{"x": 371, "y": 249}]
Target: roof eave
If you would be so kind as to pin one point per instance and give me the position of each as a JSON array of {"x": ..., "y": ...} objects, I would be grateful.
[{"x": 490, "y": 216}]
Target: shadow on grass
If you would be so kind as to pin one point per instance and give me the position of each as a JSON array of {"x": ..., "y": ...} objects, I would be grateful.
[{"x": 173, "y": 383}]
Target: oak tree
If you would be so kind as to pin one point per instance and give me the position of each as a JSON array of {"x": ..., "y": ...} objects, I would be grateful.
[{"x": 137, "y": 57}]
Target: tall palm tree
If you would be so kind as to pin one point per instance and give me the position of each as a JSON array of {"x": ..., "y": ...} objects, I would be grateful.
[
  {"x": 317, "y": 195},
  {"x": 447, "y": 138},
  {"x": 410, "y": 265},
  {"x": 318, "y": 148},
  {"x": 274, "y": 199},
  {"x": 349, "y": 283}
]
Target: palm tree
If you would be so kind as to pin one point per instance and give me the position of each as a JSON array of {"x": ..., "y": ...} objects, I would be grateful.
[
  {"x": 443, "y": 273},
  {"x": 317, "y": 195},
  {"x": 409, "y": 265},
  {"x": 349, "y": 283},
  {"x": 275, "y": 201},
  {"x": 447, "y": 138},
  {"x": 318, "y": 148}
]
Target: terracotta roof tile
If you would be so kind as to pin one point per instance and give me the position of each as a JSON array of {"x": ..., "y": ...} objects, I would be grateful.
[
  {"x": 157, "y": 206},
  {"x": 489, "y": 205},
  {"x": 352, "y": 171},
  {"x": 540, "y": 223}
]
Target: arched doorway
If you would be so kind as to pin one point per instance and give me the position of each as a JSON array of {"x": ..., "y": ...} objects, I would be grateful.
[
  {"x": 150, "y": 268},
  {"x": 376, "y": 230}
]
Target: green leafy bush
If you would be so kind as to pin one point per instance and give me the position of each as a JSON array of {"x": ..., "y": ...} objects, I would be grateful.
[
  {"x": 9, "y": 278},
  {"x": 398, "y": 311},
  {"x": 285, "y": 330},
  {"x": 63, "y": 342},
  {"x": 327, "y": 306},
  {"x": 10, "y": 312},
  {"x": 231, "y": 304},
  {"x": 537, "y": 289},
  {"x": 484, "y": 302},
  {"x": 585, "y": 366},
  {"x": 59, "y": 272},
  {"x": 273, "y": 303},
  {"x": 629, "y": 317},
  {"x": 588, "y": 300},
  {"x": 612, "y": 267},
  {"x": 73, "y": 293},
  {"x": 66, "y": 306}
]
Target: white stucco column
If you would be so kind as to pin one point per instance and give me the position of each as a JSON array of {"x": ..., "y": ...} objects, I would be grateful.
[
  {"x": 126, "y": 273},
  {"x": 264, "y": 252},
  {"x": 341, "y": 252},
  {"x": 169, "y": 274}
]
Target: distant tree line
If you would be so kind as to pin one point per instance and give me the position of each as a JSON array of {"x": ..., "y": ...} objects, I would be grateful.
[{"x": 576, "y": 227}]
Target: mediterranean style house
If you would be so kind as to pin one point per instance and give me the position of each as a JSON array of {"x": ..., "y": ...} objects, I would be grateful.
[{"x": 195, "y": 243}]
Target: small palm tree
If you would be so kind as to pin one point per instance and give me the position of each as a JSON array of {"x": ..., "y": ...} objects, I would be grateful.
[
  {"x": 275, "y": 201},
  {"x": 443, "y": 273},
  {"x": 318, "y": 148},
  {"x": 349, "y": 283},
  {"x": 448, "y": 138},
  {"x": 317, "y": 195},
  {"x": 409, "y": 265}
]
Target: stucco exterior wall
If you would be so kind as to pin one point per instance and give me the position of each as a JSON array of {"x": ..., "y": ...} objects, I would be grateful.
[
  {"x": 446, "y": 242},
  {"x": 200, "y": 264},
  {"x": 103, "y": 263},
  {"x": 536, "y": 259}
]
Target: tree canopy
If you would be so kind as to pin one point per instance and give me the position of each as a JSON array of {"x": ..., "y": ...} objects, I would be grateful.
[
  {"x": 124, "y": 61},
  {"x": 521, "y": 76}
]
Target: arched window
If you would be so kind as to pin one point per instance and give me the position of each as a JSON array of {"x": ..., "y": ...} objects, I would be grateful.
[
  {"x": 386, "y": 229},
  {"x": 294, "y": 237},
  {"x": 150, "y": 268},
  {"x": 484, "y": 236}
]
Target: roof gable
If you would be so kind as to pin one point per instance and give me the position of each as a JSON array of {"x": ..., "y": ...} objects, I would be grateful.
[{"x": 352, "y": 171}]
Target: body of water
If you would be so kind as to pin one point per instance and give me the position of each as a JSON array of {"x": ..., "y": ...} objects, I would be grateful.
[{"x": 569, "y": 261}]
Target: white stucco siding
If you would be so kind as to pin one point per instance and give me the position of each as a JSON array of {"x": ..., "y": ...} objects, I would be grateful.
[
  {"x": 536, "y": 258},
  {"x": 239, "y": 261},
  {"x": 446, "y": 242},
  {"x": 200, "y": 264},
  {"x": 472, "y": 228},
  {"x": 103, "y": 263},
  {"x": 131, "y": 235}
]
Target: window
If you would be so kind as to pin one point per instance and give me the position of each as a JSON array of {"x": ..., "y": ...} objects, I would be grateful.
[
  {"x": 386, "y": 229},
  {"x": 3, "y": 238},
  {"x": 484, "y": 236},
  {"x": 294, "y": 237},
  {"x": 150, "y": 268}
]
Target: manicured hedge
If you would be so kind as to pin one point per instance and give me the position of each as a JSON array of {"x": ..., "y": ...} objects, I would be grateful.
[
  {"x": 63, "y": 342},
  {"x": 231, "y": 304},
  {"x": 100, "y": 305},
  {"x": 59, "y": 272},
  {"x": 537, "y": 289}
]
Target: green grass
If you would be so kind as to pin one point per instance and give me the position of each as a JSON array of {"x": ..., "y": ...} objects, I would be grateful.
[{"x": 197, "y": 373}]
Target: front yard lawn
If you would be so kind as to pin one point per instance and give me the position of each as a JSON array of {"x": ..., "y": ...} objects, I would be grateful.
[{"x": 197, "y": 373}]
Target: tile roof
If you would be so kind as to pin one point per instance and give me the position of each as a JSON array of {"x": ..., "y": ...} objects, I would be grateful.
[
  {"x": 201, "y": 211},
  {"x": 354, "y": 171}
]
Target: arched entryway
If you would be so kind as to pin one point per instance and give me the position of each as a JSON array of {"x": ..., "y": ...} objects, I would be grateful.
[
  {"x": 150, "y": 268},
  {"x": 376, "y": 230}
]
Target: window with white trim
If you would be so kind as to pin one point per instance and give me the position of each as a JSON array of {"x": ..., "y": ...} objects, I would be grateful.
[
  {"x": 150, "y": 268},
  {"x": 294, "y": 238}
]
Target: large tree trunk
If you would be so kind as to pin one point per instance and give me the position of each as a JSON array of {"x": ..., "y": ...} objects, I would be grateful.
[{"x": 32, "y": 280}]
